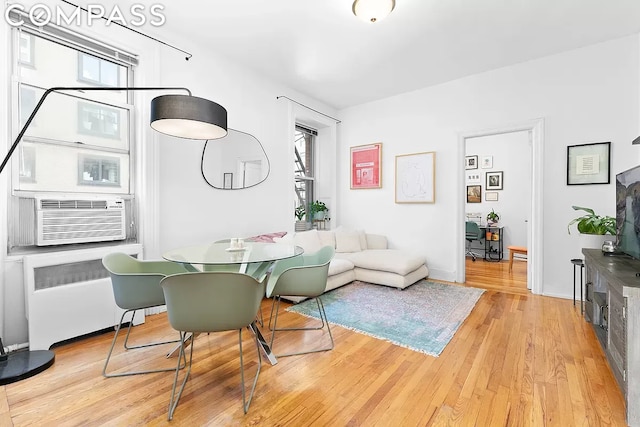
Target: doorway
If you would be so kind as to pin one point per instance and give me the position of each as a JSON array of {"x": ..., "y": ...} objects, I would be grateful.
[{"x": 534, "y": 131}]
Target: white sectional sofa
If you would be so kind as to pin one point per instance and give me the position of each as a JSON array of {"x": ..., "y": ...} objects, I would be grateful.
[{"x": 362, "y": 256}]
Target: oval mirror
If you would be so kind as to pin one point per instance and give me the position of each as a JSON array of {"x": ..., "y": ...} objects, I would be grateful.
[{"x": 234, "y": 162}]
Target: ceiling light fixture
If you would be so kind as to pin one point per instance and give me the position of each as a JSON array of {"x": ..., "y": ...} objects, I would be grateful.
[{"x": 373, "y": 10}]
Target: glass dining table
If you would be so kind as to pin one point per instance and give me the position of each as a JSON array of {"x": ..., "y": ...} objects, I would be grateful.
[{"x": 254, "y": 259}]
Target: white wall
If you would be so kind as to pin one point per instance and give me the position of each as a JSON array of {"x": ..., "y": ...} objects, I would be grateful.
[
  {"x": 585, "y": 95},
  {"x": 511, "y": 154},
  {"x": 192, "y": 212}
]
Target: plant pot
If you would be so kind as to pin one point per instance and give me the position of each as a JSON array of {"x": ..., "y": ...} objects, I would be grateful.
[
  {"x": 318, "y": 215},
  {"x": 301, "y": 226},
  {"x": 594, "y": 241}
]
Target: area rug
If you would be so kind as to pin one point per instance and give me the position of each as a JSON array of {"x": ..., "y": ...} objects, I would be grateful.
[{"x": 423, "y": 317}]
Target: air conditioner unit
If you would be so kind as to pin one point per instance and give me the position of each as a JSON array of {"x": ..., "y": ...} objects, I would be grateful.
[{"x": 61, "y": 221}]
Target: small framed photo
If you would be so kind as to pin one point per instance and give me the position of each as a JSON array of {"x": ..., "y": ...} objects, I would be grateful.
[
  {"x": 588, "y": 163},
  {"x": 474, "y": 193},
  {"x": 487, "y": 162},
  {"x": 471, "y": 162},
  {"x": 491, "y": 196},
  {"x": 494, "y": 181},
  {"x": 228, "y": 181},
  {"x": 473, "y": 178}
]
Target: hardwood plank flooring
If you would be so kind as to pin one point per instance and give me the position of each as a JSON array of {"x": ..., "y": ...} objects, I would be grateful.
[
  {"x": 496, "y": 275},
  {"x": 518, "y": 359}
]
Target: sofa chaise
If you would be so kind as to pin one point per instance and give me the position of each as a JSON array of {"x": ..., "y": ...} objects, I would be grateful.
[{"x": 361, "y": 256}]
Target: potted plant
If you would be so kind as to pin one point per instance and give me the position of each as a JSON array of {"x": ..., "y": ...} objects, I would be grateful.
[
  {"x": 492, "y": 218},
  {"x": 590, "y": 223},
  {"x": 300, "y": 212},
  {"x": 593, "y": 228},
  {"x": 319, "y": 210}
]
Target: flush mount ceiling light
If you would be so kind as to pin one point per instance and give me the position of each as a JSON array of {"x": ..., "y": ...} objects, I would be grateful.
[{"x": 373, "y": 10}]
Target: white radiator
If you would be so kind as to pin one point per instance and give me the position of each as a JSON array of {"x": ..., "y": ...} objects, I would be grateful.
[
  {"x": 68, "y": 295},
  {"x": 61, "y": 221}
]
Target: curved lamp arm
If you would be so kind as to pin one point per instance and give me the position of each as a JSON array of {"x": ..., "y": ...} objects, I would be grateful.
[{"x": 78, "y": 88}]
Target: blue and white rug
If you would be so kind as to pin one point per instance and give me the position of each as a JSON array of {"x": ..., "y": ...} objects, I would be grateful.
[{"x": 423, "y": 317}]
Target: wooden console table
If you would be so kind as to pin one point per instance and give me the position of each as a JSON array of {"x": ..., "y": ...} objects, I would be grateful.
[{"x": 612, "y": 306}]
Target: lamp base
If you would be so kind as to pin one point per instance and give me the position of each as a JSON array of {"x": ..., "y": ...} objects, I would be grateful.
[{"x": 24, "y": 364}]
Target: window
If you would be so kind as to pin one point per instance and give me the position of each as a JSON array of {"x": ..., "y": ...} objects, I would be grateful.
[
  {"x": 96, "y": 170},
  {"x": 25, "y": 55},
  {"x": 80, "y": 142},
  {"x": 304, "y": 168},
  {"x": 98, "y": 120},
  {"x": 74, "y": 124},
  {"x": 27, "y": 164},
  {"x": 27, "y": 104},
  {"x": 98, "y": 71}
]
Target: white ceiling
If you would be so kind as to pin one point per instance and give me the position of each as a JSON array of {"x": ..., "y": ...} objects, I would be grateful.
[{"x": 320, "y": 48}]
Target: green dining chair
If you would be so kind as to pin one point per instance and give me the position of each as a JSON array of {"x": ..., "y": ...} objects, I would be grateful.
[
  {"x": 136, "y": 286},
  {"x": 301, "y": 276},
  {"x": 212, "y": 302}
]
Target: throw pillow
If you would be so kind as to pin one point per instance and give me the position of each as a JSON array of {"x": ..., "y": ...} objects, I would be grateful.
[
  {"x": 308, "y": 240},
  {"x": 286, "y": 239},
  {"x": 361, "y": 234},
  {"x": 327, "y": 238},
  {"x": 348, "y": 241}
]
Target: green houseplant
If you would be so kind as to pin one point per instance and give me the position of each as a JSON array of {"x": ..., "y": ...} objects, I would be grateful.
[
  {"x": 590, "y": 223},
  {"x": 300, "y": 212},
  {"x": 492, "y": 217},
  {"x": 318, "y": 209}
]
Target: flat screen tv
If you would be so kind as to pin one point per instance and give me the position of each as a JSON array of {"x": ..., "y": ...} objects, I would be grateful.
[{"x": 628, "y": 212}]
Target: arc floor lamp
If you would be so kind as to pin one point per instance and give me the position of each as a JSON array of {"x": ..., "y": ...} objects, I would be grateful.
[{"x": 182, "y": 116}]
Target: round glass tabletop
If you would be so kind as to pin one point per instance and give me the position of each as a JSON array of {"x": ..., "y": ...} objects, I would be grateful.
[{"x": 221, "y": 253}]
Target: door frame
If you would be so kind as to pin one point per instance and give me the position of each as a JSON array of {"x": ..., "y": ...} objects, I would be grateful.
[{"x": 535, "y": 128}]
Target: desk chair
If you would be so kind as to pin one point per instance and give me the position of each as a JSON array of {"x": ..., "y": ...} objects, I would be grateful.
[
  {"x": 473, "y": 233},
  {"x": 212, "y": 302},
  {"x": 303, "y": 276},
  {"x": 136, "y": 286}
]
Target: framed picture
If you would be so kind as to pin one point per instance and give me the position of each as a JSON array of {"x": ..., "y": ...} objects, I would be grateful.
[
  {"x": 366, "y": 166},
  {"x": 494, "y": 181},
  {"x": 588, "y": 163},
  {"x": 474, "y": 194},
  {"x": 471, "y": 162},
  {"x": 227, "y": 182},
  {"x": 487, "y": 162},
  {"x": 490, "y": 196},
  {"x": 416, "y": 177},
  {"x": 473, "y": 178}
]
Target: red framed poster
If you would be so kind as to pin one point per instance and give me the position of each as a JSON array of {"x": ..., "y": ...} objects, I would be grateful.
[{"x": 366, "y": 166}]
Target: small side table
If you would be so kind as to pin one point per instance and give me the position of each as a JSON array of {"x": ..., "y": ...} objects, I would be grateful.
[{"x": 577, "y": 262}]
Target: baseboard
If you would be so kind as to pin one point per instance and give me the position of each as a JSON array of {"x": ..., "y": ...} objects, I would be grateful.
[{"x": 447, "y": 276}]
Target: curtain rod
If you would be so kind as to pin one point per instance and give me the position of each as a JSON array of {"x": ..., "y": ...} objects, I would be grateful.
[
  {"x": 189, "y": 55},
  {"x": 309, "y": 108}
]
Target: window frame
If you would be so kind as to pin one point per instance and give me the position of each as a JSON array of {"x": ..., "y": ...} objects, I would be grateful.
[
  {"x": 83, "y": 108},
  {"x": 101, "y": 61},
  {"x": 308, "y": 180}
]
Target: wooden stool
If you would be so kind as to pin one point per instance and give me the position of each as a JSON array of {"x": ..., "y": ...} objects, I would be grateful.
[{"x": 515, "y": 250}]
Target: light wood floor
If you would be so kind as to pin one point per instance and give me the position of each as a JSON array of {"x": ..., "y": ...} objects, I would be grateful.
[
  {"x": 496, "y": 275},
  {"x": 517, "y": 360}
]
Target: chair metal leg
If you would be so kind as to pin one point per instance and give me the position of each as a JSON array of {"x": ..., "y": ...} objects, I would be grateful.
[
  {"x": 175, "y": 398},
  {"x": 245, "y": 402},
  {"x": 469, "y": 252},
  {"x": 173, "y": 402},
  {"x": 323, "y": 319},
  {"x": 113, "y": 343}
]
